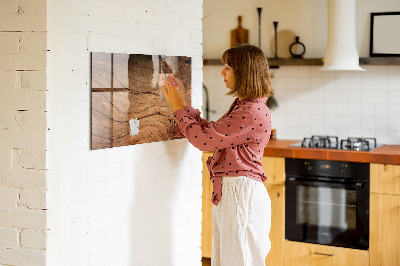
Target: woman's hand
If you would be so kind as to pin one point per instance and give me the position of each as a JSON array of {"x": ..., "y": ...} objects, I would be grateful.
[{"x": 174, "y": 93}]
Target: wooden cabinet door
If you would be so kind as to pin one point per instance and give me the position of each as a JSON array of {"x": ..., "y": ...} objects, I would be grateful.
[
  {"x": 385, "y": 178},
  {"x": 274, "y": 168},
  {"x": 304, "y": 254},
  {"x": 384, "y": 237},
  {"x": 277, "y": 233},
  {"x": 206, "y": 226}
]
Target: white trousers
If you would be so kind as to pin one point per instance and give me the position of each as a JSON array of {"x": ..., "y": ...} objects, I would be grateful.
[{"x": 241, "y": 223}]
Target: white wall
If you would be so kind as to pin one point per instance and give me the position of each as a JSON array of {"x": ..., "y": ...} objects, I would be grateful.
[
  {"x": 311, "y": 102},
  {"x": 23, "y": 133},
  {"x": 133, "y": 205},
  {"x": 306, "y": 19}
]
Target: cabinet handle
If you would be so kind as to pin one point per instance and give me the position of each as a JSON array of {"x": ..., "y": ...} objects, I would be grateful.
[{"x": 324, "y": 254}]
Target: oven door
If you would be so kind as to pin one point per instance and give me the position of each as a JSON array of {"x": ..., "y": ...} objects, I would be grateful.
[{"x": 327, "y": 213}]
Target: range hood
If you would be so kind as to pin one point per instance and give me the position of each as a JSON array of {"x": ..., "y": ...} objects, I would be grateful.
[{"x": 341, "y": 51}]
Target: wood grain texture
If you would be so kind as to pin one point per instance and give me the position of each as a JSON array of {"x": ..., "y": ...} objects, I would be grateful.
[
  {"x": 389, "y": 154},
  {"x": 277, "y": 234},
  {"x": 385, "y": 178},
  {"x": 304, "y": 254},
  {"x": 206, "y": 225},
  {"x": 125, "y": 91},
  {"x": 384, "y": 235},
  {"x": 274, "y": 168}
]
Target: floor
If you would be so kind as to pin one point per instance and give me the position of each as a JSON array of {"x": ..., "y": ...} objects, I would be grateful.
[{"x": 206, "y": 261}]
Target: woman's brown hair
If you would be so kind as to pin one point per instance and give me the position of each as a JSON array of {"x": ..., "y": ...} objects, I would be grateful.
[{"x": 250, "y": 66}]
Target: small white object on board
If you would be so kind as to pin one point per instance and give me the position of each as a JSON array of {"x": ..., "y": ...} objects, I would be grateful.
[{"x": 134, "y": 125}]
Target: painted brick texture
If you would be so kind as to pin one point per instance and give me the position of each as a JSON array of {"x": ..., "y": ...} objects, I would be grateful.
[
  {"x": 134, "y": 205},
  {"x": 23, "y": 132}
]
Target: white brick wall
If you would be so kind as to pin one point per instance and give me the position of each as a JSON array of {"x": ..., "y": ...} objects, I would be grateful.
[
  {"x": 22, "y": 132},
  {"x": 134, "y": 205}
]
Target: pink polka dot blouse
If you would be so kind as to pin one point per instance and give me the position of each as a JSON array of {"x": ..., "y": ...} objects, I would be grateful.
[{"x": 238, "y": 140}]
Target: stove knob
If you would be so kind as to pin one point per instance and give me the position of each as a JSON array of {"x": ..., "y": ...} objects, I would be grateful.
[
  {"x": 343, "y": 168},
  {"x": 308, "y": 166}
]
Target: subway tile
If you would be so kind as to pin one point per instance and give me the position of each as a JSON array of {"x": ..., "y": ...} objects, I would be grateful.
[
  {"x": 316, "y": 83},
  {"x": 381, "y": 123},
  {"x": 354, "y": 81},
  {"x": 304, "y": 72},
  {"x": 355, "y": 96},
  {"x": 317, "y": 107},
  {"x": 355, "y": 109},
  {"x": 380, "y": 71},
  {"x": 355, "y": 132},
  {"x": 381, "y": 110},
  {"x": 381, "y": 84},
  {"x": 303, "y": 82},
  {"x": 342, "y": 96},
  {"x": 329, "y": 122},
  {"x": 315, "y": 72},
  {"x": 342, "y": 109},
  {"x": 329, "y": 94},
  {"x": 394, "y": 123},
  {"x": 342, "y": 82},
  {"x": 329, "y": 109},
  {"x": 394, "y": 110},
  {"x": 367, "y": 82},
  {"x": 292, "y": 82},
  {"x": 367, "y": 110},
  {"x": 355, "y": 122},
  {"x": 291, "y": 71},
  {"x": 394, "y": 97},
  {"x": 394, "y": 137},
  {"x": 382, "y": 136},
  {"x": 367, "y": 96},
  {"x": 367, "y": 133},
  {"x": 394, "y": 71},
  {"x": 342, "y": 122},
  {"x": 381, "y": 97},
  {"x": 367, "y": 122}
]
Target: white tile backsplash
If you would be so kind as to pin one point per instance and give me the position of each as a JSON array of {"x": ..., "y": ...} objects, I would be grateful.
[{"x": 346, "y": 103}]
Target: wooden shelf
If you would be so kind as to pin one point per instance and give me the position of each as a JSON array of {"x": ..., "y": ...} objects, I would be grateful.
[
  {"x": 273, "y": 63},
  {"x": 380, "y": 61}
]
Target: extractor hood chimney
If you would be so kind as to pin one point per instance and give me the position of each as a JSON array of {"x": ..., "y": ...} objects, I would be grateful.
[{"x": 341, "y": 51}]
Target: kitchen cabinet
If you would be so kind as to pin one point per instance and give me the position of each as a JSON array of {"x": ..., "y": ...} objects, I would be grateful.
[
  {"x": 206, "y": 226},
  {"x": 305, "y": 254},
  {"x": 385, "y": 215},
  {"x": 274, "y": 168},
  {"x": 385, "y": 178}
]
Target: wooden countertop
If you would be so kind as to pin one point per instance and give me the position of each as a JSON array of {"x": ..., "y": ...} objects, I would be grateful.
[{"x": 389, "y": 154}]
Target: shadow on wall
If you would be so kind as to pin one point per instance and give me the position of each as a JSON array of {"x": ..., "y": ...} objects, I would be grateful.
[{"x": 154, "y": 204}]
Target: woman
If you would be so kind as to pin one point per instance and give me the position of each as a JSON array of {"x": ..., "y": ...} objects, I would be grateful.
[{"x": 242, "y": 208}]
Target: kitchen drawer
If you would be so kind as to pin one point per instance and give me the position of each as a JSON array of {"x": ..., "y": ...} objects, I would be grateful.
[{"x": 305, "y": 254}]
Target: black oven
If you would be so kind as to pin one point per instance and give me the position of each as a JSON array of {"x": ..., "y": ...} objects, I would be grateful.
[{"x": 327, "y": 202}]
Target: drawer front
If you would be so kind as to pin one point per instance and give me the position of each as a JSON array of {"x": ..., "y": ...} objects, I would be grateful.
[{"x": 297, "y": 254}]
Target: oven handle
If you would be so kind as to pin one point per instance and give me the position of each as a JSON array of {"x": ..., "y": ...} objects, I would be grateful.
[{"x": 357, "y": 185}]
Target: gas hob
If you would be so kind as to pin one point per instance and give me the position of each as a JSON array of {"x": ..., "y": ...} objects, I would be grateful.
[{"x": 332, "y": 142}]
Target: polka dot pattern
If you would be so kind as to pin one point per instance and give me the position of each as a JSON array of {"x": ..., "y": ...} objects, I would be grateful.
[{"x": 238, "y": 139}]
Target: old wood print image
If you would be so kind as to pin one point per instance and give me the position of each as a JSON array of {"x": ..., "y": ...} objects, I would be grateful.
[{"x": 127, "y": 104}]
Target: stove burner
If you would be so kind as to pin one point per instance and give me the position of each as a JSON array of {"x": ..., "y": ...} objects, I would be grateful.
[
  {"x": 332, "y": 142},
  {"x": 358, "y": 144},
  {"x": 328, "y": 142}
]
